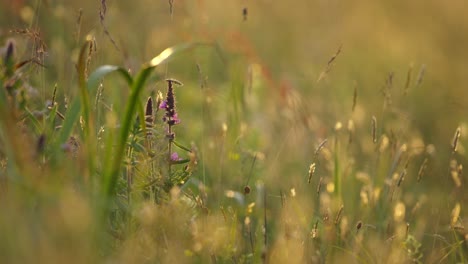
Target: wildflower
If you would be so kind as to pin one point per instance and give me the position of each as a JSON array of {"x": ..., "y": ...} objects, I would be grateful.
[
  {"x": 175, "y": 119},
  {"x": 171, "y": 117},
  {"x": 163, "y": 105},
  {"x": 175, "y": 156}
]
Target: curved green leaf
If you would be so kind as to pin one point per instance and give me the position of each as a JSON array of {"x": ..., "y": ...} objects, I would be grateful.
[
  {"x": 71, "y": 116},
  {"x": 95, "y": 78}
]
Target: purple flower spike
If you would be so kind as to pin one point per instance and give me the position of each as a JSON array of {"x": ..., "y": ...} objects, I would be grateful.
[
  {"x": 176, "y": 119},
  {"x": 163, "y": 104}
]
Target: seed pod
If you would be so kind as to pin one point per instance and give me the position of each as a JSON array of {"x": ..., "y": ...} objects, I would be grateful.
[
  {"x": 246, "y": 189},
  {"x": 358, "y": 226}
]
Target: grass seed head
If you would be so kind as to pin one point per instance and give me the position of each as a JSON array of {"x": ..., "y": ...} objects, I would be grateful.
[
  {"x": 354, "y": 97},
  {"x": 246, "y": 189},
  {"x": 9, "y": 52},
  {"x": 402, "y": 177},
  {"x": 455, "y": 140},
  {"x": 320, "y": 147},
  {"x": 358, "y": 226},
  {"x": 338, "y": 216},
  {"x": 314, "y": 232},
  {"x": 149, "y": 119},
  {"x": 374, "y": 129},
  {"x": 311, "y": 171},
  {"x": 421, "y": 73},
  {"x": 245, "y": 12},
  {"x": 319, "y": 187},
  {"x": 408, "y": 79},
  {"x": 422, "y": 169}
]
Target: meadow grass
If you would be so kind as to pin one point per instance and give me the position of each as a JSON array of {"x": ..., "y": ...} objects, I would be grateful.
[{"x": 277, "y": 148}]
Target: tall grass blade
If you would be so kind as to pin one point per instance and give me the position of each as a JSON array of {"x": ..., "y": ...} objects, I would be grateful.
[{"x": 84, "y": 95}]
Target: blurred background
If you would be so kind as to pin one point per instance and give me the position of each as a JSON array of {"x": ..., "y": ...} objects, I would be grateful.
[{"x": 290, "y": 43}]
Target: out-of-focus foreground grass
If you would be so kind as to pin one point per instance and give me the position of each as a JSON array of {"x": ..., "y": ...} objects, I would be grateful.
[{"x": 321, "y": 131}]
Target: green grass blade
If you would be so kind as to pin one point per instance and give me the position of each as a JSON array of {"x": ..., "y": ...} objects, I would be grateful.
[
  {"x": 111, "y": 174},
  {"x": 36, "y": 125},
  {"x": 181, "y": 147},
  {"x": 71, "y": 118}
]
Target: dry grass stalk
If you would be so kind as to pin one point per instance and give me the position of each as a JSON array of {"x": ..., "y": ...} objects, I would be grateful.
[
  {"x": 283, "y": 198},
  {"x": 314, "y": 232},
  {"x": 354, "y": 97},
  {"x": 455, "y": 215},
  {"x": 203, "y": 79},
  {"x": 456, "y": 177},
  {"x": 102, "y": 15},
  {"x": 422, "y": 169},
  {"x": 53, "y": 96},
  {"x": 311, "y": 171},
  {"x": 329, "y": 65},
  {"x": 455, "y": 140},
  {"x": 386, "y": 90},
  {"x": 319, "y": 187},
  {"x": 421, "y": 73},
  {"x": 351, "y": 129},
  {"x": 92, "y": 50},
  {"x": 40, "y": 48},
  {"x": 402, "y": 177},
  {"x": 78, "y": 25},
  {"x": 319, "y": 148},
  {"x": 408, "y": 80},
  {"x": 338, "y": 216},
  {"x": 374, "y": 129},
  {"x": 149, "y": 118},
  {"x": 171, "y": 7}
]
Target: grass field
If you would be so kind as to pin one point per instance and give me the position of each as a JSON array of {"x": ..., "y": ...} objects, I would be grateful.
[{"x": 233, "y": 131}]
